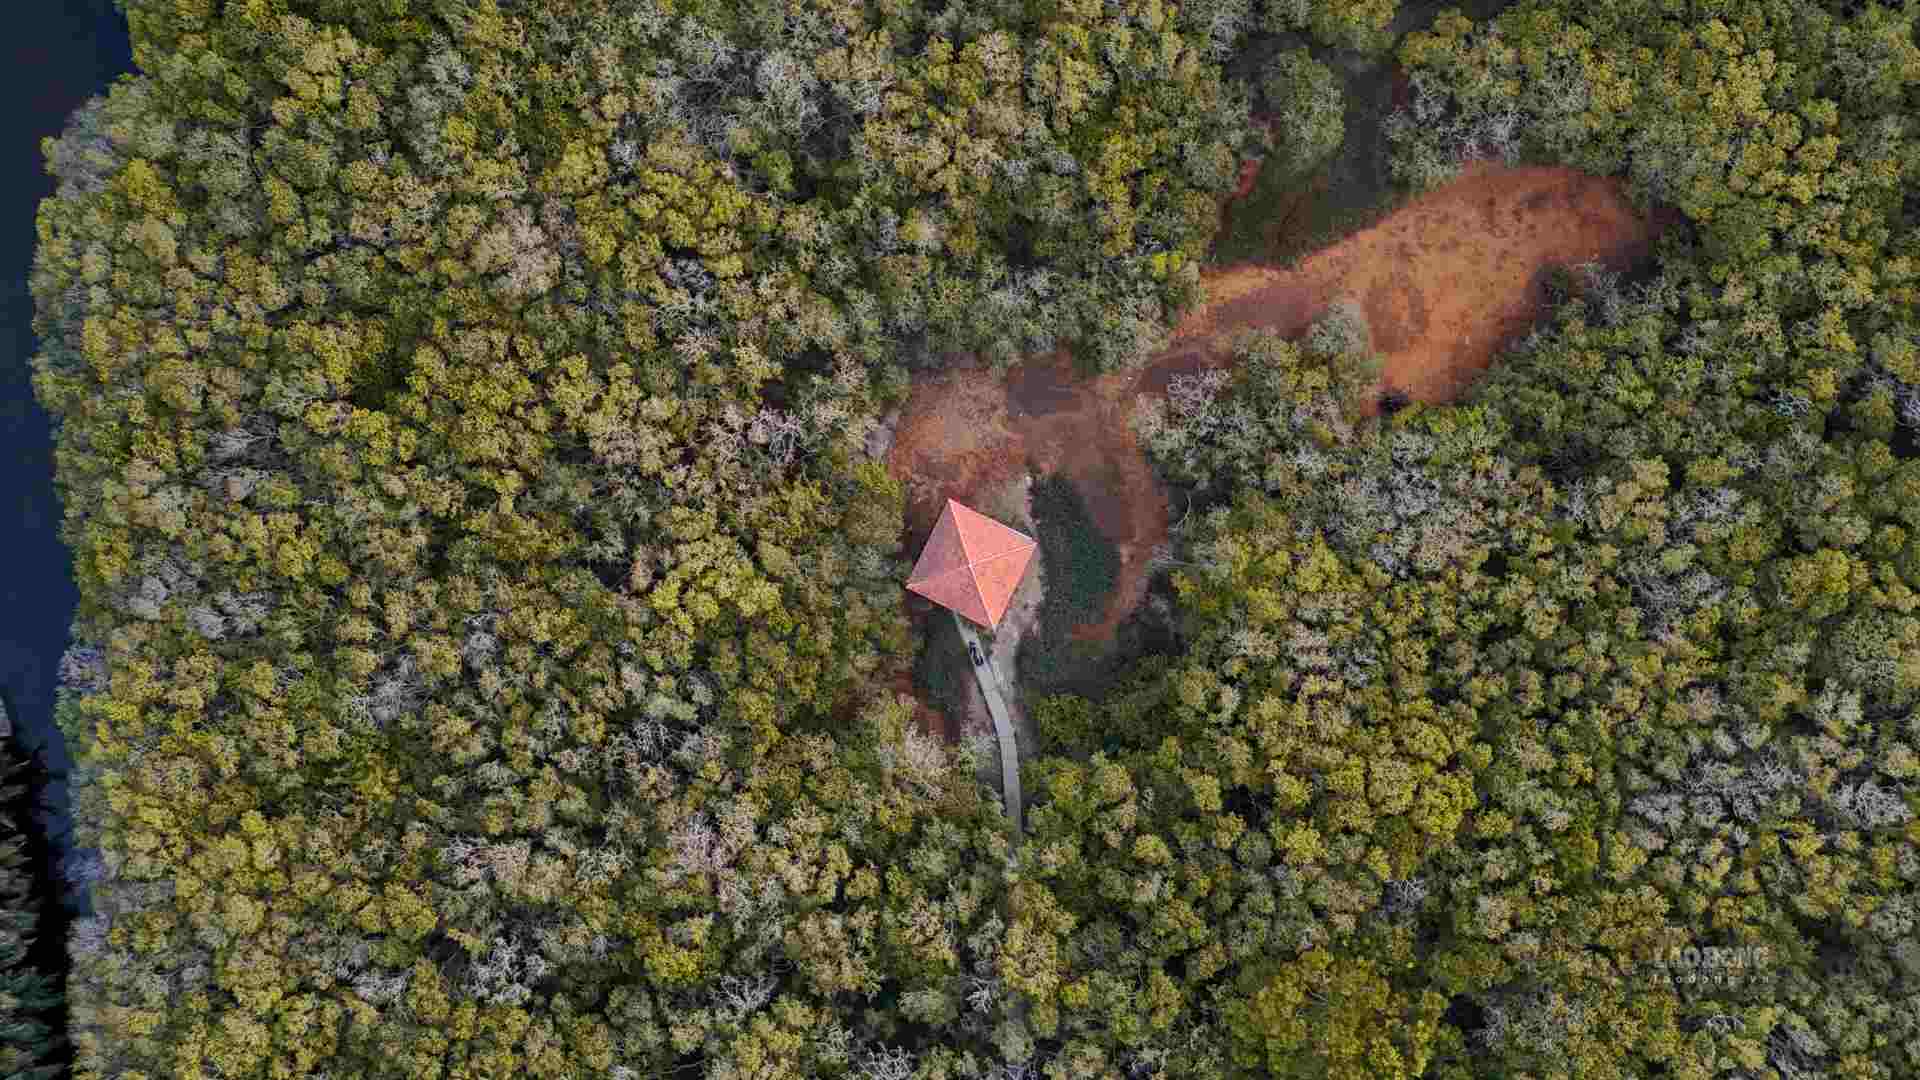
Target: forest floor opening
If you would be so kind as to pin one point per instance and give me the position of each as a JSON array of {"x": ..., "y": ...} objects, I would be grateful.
[
  {"x": 1277, "y": 216},
  {"x": 1445, "y": 281}
]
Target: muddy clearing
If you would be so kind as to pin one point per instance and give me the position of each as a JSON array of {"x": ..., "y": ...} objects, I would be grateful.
[
  {"x": 966, "y": 431},
  {"x": 1445, "y": 282}
]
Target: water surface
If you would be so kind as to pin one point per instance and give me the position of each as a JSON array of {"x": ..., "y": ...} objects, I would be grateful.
[{"x": 57, "y": 54}]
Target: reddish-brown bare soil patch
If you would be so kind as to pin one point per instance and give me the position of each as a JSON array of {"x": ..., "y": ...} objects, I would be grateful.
[
  {"x": 1249, "y": 172},
  {"x": 1445, "y": 282},
  {"x": 926, "y": 718},
  {"x": 1402, "y": 88},
  {"x": 968, "y": 430}
]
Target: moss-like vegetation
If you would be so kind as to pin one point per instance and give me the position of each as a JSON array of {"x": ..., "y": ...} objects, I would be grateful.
[
  {"x": 943, "y": 672},
  {"x": 1082, "y": 564},
  {"x": 1082, "y": 568}
]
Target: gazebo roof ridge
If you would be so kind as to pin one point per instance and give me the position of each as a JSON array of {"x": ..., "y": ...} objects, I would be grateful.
[{"x": 972, "y": 563}]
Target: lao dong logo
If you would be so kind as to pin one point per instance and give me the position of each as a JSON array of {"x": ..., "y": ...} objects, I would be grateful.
[{"x": 1717, "y": 963}]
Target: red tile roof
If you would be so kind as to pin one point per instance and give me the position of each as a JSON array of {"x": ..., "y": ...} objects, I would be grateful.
[{"x": 971, "y": 564}]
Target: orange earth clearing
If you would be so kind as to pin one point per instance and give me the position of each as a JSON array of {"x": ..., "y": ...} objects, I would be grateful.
[{"x": 1444, "y": 282}]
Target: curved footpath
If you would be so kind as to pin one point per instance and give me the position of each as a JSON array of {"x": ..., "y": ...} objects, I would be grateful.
[{"x": 1002, "y": 721}]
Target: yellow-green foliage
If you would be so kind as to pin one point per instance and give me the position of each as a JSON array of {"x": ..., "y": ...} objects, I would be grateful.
[
  {"x": 1649, "y": 596},
  {"x": 1305, "y": 106},
  {"x": 486, "y": 592},
  {"x": 462, "y": 414},
  {"x": 1322, "y": 1016},
  {"x": 1345, "y": 24}
]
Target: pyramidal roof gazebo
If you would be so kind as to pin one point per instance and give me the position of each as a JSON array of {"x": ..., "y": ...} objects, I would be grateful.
[{"x": 971, "y": 564}]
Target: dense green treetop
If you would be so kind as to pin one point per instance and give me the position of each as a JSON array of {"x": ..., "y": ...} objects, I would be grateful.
[
  {"x": 462, "y": 411},
  {"x": 487, "y": 592}
]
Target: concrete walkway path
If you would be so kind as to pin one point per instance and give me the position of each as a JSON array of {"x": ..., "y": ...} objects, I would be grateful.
[{"x": 1002, "y": 720}]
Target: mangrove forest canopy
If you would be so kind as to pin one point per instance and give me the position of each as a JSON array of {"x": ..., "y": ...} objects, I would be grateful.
[{"x": 491, "y": 610}]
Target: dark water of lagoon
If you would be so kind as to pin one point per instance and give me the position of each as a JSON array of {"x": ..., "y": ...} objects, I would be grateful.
[{"x": 57, "y": 54}]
